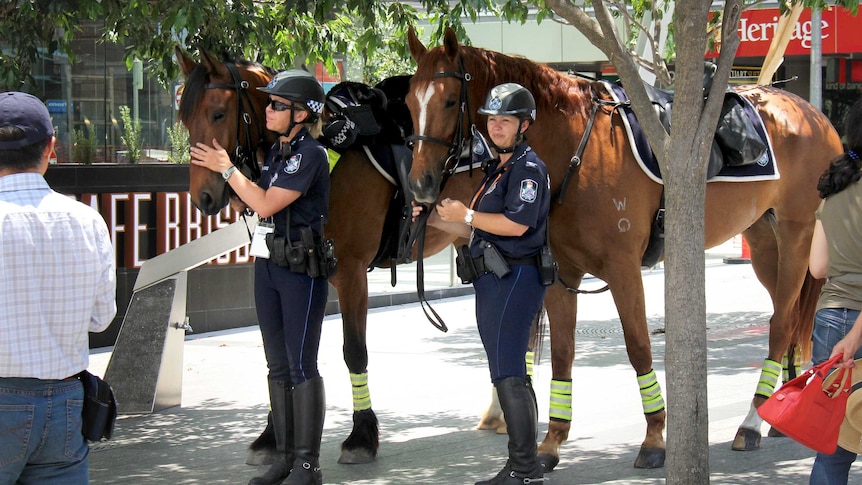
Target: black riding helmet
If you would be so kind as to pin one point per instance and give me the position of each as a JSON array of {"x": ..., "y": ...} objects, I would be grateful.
[
  {"x": 510, "y": 99},
  {"x": 301, "y": 87}
]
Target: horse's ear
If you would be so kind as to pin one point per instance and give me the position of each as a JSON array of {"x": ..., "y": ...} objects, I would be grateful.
[
  {"x": 187, "y": 64},
  {"x": 417, "y": 49},
  {"x": 213, "y": 65},
  {"x": 450, "y": 42}
]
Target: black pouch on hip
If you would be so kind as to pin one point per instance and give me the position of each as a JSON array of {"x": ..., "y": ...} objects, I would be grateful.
[
  {"x": 464, "y": 265},
  {"x": 547, "y": 266},
  {"x": 494, "y": 261},
  {"x": 313, "y": 260}
]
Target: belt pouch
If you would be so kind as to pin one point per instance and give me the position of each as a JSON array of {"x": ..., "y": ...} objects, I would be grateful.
[
  {"x": 312, "y": 266},
  {"x": 547, "y": 266},
  {"x": 464, "y": 265}
]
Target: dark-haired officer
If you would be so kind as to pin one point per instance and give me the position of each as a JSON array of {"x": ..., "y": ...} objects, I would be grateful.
[
  {"x": 506, "y": 221},
  {"x": 292, "y": 199}
]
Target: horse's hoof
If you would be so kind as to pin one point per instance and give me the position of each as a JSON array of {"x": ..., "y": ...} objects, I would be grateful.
[
  {"x": 774, "y": 433},
  {"x": 494, "y": 423},
  {"x": 746, "y": 440},
  {"x": 261, "y": 457},
  {"x": 548, "y": 462},
  {"x": 650, "y": 458},
  {"x": 355, "y": 457}
]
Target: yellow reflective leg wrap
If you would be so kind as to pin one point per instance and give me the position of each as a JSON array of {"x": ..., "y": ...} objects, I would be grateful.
[
  {"x": 361, "y": 394},
  {"x": 769, "y": 374},
  {"x": 785, "y": 368},
  {"x": 531, "y": 357},
  {"x": 651, "y": 398},
  {"x": 561, "y": 400}
]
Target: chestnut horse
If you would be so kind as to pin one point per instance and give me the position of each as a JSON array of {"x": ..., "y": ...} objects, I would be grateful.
[
  {"x": 587, "y": 233},
  {"x": 220, "y": 101}
]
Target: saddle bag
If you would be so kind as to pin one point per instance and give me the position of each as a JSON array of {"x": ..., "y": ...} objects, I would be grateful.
[
  {"x": 100, "y": 408},
  {"x": 739, "y": 141}
]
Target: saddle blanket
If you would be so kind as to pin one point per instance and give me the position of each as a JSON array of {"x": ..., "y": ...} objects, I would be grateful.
[{"x": 764, "y": 169}]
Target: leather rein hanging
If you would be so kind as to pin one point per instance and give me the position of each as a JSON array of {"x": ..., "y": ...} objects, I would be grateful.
[{"x": 456, "y": 147}]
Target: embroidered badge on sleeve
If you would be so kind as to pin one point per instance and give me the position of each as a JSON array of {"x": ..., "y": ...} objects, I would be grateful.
[
  {"x": 292, "y": 165},
  {"x": 528, "y": 190}
]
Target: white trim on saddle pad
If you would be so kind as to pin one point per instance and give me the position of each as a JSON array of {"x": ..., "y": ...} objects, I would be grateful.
[{"x": 775, "y": 175}]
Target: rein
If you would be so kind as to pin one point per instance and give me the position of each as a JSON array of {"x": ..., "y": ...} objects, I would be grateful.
[{"x": 243, "y": 157}]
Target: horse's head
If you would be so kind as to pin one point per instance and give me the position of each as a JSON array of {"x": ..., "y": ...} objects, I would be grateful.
[
  {"x": 438, "y": 103},
  {"x": 220, "y": 101}
]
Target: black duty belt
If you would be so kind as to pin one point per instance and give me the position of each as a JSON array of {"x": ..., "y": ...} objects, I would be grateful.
[{"x": 479, "y": 263}]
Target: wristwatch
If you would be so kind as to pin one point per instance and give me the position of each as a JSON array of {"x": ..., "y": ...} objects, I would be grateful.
[
  {"x": 468, "y": 218},
  {"x": 227, "y": 173}
]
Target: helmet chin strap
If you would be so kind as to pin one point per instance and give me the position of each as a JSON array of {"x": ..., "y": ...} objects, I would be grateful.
[
  {"x": 518, "y": 139},
  {"x": 285, "y": 148}
]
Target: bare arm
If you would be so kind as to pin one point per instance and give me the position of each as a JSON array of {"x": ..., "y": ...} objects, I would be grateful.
[
  {"x": 849, "y": 345},
  {"x": 818, "y": 258}
]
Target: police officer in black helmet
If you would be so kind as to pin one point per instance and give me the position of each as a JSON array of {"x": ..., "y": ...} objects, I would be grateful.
[
  {"x": 506, "y": 220},
  {"x": 290, "y": 304}
]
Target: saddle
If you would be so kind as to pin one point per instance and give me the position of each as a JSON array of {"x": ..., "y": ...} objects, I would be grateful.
[
  {"x": 736, "y": 142},
  {"x": 377, "y": 120}
]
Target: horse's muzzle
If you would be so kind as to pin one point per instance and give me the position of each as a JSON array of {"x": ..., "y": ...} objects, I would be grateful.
[{"x": 426, "y": 188}]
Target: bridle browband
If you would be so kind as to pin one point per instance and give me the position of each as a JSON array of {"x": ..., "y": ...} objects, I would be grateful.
[
  {"x": 243, "y": 156},
  {"x": 459, "y": 140}
]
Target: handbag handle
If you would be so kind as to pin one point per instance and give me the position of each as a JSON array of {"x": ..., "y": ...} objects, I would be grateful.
[{"x": 841, "y": 382}]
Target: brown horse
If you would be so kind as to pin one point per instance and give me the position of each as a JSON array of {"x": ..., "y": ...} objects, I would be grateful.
[
  {"x": 604, "y": 224},
  {"x": 220, "y": 101}
]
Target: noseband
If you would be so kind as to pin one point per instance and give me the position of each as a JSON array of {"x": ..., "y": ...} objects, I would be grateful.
[
  {"x": 243, "y": 156},
  {"x": 459, "y": 141}
]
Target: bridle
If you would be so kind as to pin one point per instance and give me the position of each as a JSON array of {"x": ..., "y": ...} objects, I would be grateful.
[
  {"x": 243, "y": 156},
  {"x": 459, "y": 140}
]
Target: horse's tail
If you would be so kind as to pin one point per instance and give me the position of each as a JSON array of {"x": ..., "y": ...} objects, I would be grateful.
[
  {"x": 537, "y": 334},
  {"x": 806, "y": 306}
]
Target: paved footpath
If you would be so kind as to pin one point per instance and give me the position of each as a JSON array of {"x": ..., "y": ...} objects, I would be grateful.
[{"x": 428, "y": 389}]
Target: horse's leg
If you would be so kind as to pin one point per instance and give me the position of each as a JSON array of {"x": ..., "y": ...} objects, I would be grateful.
[
  {"x": 352, "y": 286},
  {"x": 779, "y": 258},
  {"x": 764, "y": 261},
  {"x": 562, "y": 307},
  {"x": 628, "y": 292}
]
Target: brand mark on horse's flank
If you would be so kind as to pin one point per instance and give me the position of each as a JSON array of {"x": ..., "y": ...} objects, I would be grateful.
[
  {"x": 624, "y": 224},
  {"x": 620, "y": 204}
]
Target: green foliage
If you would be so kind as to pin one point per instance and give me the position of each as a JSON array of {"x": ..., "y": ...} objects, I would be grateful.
[
  {"x": 83, "y": 146},
  {"x": 131, "y": 136},
  {"x": 179, "y": 137},
  {"x": 279, "y": 34}
]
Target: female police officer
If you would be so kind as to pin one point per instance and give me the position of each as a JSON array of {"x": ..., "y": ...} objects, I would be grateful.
[
  {"x": 506, "y": 221},
  {"x": 293, "y": 189}
]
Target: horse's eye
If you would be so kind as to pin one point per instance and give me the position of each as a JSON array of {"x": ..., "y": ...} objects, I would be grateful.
[
  {"x": 451, "y": 103},
  {"x": 218, "y": 116}
]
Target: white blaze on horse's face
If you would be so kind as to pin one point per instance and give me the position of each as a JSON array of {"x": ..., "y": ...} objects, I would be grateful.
[{"x": 423, "y": 97}]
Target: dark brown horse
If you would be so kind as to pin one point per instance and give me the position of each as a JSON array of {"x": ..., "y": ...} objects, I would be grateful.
[
  {"x": 215, "y": 97},
  {"x": 604, "y": 224}
]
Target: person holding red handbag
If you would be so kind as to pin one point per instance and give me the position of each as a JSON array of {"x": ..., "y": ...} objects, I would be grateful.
[{"x": 836, "y": 254}]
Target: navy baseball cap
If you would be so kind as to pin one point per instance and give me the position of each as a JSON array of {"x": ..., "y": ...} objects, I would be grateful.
[{"x": 28, "y": 113}]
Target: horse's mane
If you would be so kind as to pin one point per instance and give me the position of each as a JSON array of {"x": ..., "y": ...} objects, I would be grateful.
[
  {"x": 196, "y": 84},
  {"x": 552, "y": 90}
]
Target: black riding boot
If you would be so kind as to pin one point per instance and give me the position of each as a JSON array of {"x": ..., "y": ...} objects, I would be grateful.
[
  {"x": 280, "y": 398},
  {"x": 309, "y": 408},
  {"x": 519, "y": 409}
]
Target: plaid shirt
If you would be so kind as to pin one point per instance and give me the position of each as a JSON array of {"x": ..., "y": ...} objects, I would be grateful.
[{"x": 57, "y": 279}]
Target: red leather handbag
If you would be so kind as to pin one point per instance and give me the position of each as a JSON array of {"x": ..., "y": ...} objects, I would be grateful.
[{"x": 808, "y": 410}]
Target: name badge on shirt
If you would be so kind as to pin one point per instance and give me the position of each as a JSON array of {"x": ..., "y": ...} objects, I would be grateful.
[{"x": 258, "y": 240}]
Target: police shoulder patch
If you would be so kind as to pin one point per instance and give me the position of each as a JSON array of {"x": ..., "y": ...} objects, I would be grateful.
[
  {"x": 292, "y": 165},
  {"x": 528, "y": 190}
]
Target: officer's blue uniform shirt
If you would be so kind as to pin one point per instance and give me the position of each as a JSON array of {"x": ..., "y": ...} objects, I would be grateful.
[
  {"x": 305, "y": 170},
  {"x": 520, "y": 190}
]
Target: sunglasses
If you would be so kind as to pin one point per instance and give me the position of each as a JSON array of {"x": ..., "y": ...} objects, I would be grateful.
[{"x": 278, "y": 105}]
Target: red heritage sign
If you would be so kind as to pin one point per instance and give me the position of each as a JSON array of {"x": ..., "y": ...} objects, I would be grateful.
[{"x": 757, "y": 29}]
